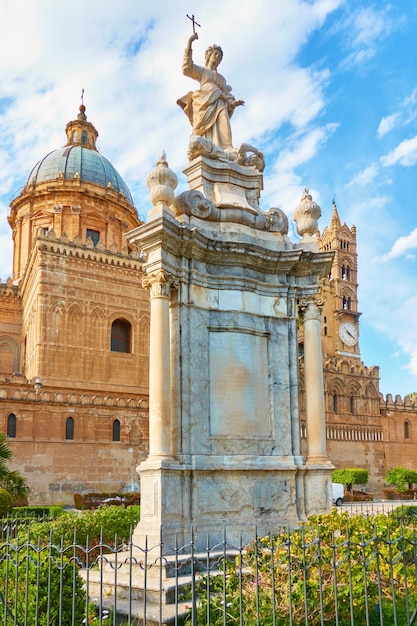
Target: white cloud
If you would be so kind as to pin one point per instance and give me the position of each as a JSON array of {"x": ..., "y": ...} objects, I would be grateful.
[
  {"x": 364, "y": 29},
  {"x": 387, "y": 123},
  {"x": 408, "y": 340},
  {"x": 404, "y": 154},
  {"x": 401, "y": 246},
  {"x": 365, "y": 177},
  {"x": 129, "y": 62}
]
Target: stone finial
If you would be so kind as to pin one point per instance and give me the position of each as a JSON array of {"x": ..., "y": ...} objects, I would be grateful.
[
  {"x": 162, "y": 182},
  {"x": 306, "y": 215}
]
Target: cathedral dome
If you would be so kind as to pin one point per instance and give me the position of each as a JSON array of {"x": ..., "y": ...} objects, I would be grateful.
[
  {"x": 76, "y": 161},
  {"x": 79, "y": 159}
]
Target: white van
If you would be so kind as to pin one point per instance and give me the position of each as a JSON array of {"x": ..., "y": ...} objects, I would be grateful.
[{"x": 338, "y": 493}]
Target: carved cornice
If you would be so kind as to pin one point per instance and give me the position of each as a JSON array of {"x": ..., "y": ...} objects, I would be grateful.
[{"x": 11, "y": 392}]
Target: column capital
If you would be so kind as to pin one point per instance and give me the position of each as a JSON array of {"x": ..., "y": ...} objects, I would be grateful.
[
  {"x": 311, "y": 308},
  {"x": 159, "y": 283}
]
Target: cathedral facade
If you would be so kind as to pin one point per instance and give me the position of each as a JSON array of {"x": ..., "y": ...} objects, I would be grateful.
[
  {"x": 364, "y": 429},
  {"x": 74, "y": 327},
  {"x": 74, "y": 338}
]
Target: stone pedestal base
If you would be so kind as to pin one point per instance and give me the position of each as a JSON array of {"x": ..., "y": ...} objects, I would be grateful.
[
  {"x": 318, "y": 488},
  {"x": 226, "y": 184},
  {"x": 244, "y": 500}
]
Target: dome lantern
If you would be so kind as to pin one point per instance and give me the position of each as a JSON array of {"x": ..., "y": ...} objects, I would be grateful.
[{"x": 80, "y": 132}]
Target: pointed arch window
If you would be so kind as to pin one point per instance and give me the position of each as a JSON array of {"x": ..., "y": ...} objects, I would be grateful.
[
  {"x": 406, "y": 430},
  {"x": 352, "y": 404},
  {"x": 335, "y": 402},
  {"x": 11, "y": 426},
  {"x": 69, "y": 428},
  {"x": 116, "y": 430},
  {"x": 121, "y": 332}
]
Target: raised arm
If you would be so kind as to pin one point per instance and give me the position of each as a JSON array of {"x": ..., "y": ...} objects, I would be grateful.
[{"x": 188, "y": 67}]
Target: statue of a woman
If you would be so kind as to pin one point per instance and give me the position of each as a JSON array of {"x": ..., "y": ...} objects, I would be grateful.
[{"x": 210, "y": 107}]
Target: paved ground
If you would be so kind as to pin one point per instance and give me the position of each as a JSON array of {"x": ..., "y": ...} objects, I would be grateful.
[{"x": 377, "y": 506}]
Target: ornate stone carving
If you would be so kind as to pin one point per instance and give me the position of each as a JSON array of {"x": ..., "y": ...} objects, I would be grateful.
[
  {"x": 306, "y": 215},
  {"x": 311, "y": 309},
  {"x": 195, "y": 203},
  {"x": 162, "y": 182},
  {"x": 159, "y": 283}
]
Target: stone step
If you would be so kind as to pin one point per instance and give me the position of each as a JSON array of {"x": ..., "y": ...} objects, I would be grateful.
[
  {"x": 165, "y": 566},
  {"x": 133, "y": 613},
  {"x": 164, "y": 584},
  {"x": 157, "y": 590}
]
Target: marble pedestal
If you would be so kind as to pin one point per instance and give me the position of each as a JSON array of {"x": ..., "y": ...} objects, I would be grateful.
[{"x": 226, "y": 283}]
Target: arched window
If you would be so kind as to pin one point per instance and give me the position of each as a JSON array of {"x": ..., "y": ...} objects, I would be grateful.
[
  {"x": 116, "y": 430},
  {"x": 69, "y": 428},
  {"x": 352, "y": 404},
  {"x": 11, "y": 425},
  {"x": 406, "y": 430},
  {"x": 334, "y": 402},
  {"x": 84, "y": 137},
  {"x": 345, "y": 272},
  {"x": 344, "y": 302},
  {"x": 120, "y": 336}
]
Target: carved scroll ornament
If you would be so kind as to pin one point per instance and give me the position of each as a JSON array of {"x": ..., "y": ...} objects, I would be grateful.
[
  {"x": 311, "y": 309},
  {"x": 159, "y": 283}
]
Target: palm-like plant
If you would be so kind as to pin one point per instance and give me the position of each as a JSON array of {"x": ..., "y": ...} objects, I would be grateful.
[
  {"x": 12, "y": 481},
  {"x": 5, "y": 454}
]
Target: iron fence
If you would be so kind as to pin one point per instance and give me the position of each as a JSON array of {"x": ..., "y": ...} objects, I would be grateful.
[
  {"x": 355, "y": 571},
  {"x": 11, "y": 525}
]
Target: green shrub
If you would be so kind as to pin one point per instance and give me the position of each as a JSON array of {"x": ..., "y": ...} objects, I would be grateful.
[
  {"x": 6, "y": 502},
  {"x": 54, "y": 510},
  {"x": 15, "y": 484},
  {"x": 30, "y": 578},
  {"x": 358, "y": 559},
  {"x": 405, "y": 512},
  {"x": 104, "y": 524}
]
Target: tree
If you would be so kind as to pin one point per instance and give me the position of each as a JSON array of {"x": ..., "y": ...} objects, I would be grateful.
[
  {"x": 412, "y": 396},
  {"x": 401, "y": 478},
  {"x": 16, "y": 485},
  {"x": 5, "y": 454},
  {"x": 11, "y": 481},
  {"x": 350, "y": 476}
]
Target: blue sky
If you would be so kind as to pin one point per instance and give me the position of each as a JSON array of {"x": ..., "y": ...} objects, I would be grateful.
[{"x": 330, "y": 88}]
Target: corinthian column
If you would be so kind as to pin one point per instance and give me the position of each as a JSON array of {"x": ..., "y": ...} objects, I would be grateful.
[
  {"x": 159, "y": 285},
  {"x": 313, "y": 382}
]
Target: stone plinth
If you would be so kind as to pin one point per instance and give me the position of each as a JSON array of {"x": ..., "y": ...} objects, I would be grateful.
[{"x": 226, "y": 184}]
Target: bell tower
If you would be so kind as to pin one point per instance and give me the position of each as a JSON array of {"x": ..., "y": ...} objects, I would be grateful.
[{"x": 340, "y": 319}]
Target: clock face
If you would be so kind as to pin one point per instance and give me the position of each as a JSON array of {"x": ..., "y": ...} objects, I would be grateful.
[{"x": 348, "y": 334}]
